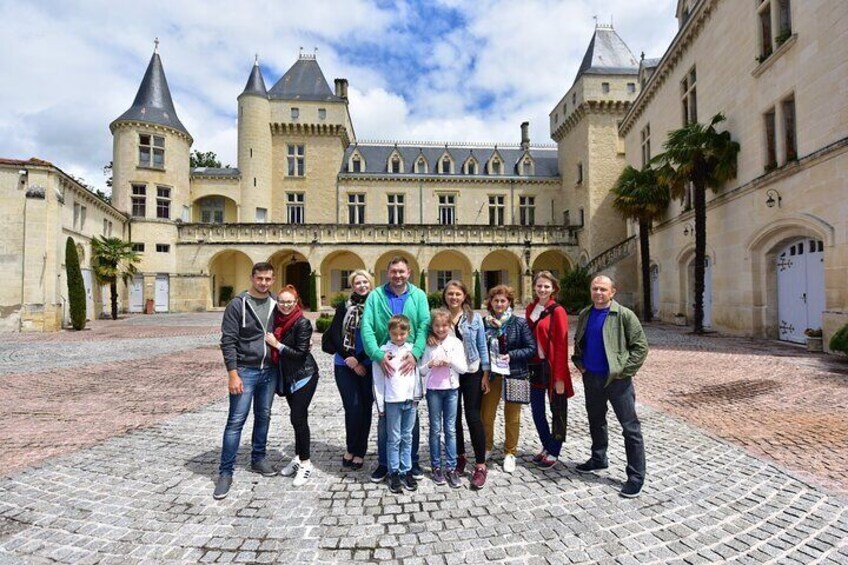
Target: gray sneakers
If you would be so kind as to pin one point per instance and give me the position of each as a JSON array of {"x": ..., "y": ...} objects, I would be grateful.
[
  {"x": 263, "y": 467},
  {"x": 222, "y": 487}
]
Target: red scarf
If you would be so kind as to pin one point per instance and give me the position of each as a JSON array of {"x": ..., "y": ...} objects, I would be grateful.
[{"x": 282, "y": 324}]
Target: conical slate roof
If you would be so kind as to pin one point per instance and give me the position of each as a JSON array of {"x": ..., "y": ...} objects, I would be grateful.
[
  {"x": 607, "y": 55},
  {"x": 303, "y": 81},
  {"x": 153, "y": 102},
  {"x": 255, "y": 82}
]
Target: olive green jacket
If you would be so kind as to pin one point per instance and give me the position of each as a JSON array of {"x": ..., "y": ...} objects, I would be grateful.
[{"x": 624, "y": 341}]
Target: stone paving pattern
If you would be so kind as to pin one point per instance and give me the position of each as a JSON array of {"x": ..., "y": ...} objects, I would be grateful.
[{"x": 139, "y": 458}]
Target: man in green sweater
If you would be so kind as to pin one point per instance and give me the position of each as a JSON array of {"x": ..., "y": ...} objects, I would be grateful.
[
  {"x": 609, "y": 347},
  {"x": 398, "y": 296}
]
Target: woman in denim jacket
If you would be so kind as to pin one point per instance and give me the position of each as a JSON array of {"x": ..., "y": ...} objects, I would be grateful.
[
  {"x": 516, "y": 346},
  {"x": 468, "y": 327}
]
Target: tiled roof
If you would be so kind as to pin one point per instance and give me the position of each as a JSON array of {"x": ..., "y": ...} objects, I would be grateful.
[
  {"x": 255, "y": 82},
  {"x": 607, "y": 55},
  {"x": 216, "y": 171},
  {"x": 303, "y": 81}
]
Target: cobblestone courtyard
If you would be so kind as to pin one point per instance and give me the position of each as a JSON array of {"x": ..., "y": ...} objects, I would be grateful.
[{"x": 111, "y": 440}]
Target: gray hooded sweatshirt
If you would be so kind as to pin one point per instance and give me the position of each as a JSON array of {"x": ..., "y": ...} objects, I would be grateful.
[{"x": 243, "y": 335}]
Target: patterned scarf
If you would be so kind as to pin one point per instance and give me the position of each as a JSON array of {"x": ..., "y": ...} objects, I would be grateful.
[
  {"x": 352, "y": 320},
  {"x": 283, "y": 323},
  {"x": 496, "y": 326}
]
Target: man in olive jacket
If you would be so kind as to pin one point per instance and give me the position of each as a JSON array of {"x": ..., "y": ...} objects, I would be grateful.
[{"x": 609, "y": 347}]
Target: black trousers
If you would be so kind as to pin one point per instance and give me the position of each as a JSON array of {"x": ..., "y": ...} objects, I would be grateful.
[
  {"x": 357, "y": 398},
  {"x": 471, "y": 395},
  {"x": 299, "y": 402}
]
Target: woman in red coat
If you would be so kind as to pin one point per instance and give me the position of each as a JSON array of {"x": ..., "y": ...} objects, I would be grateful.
[{"x": 549, "y": 373}]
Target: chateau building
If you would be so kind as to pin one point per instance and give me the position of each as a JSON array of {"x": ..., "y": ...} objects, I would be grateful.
[{"x": 776, "y": 235}]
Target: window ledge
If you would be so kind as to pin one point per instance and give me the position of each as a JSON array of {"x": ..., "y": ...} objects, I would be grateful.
[
  {"x": 769, "y": 61},
  {"x": 148, "y": 168}
]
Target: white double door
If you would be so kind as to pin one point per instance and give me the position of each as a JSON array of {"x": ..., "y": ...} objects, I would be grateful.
[
  {"x": 137, "y": 294},
  {"x": 800, "y": 288}
]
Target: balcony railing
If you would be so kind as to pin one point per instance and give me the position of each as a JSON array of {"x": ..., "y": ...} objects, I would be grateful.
[{"x": 371, "y": 234}]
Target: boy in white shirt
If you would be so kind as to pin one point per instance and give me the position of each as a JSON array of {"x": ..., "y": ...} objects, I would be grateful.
[
  {"x": 397, "y": 397},
  {"x": 441, "y": 365}
]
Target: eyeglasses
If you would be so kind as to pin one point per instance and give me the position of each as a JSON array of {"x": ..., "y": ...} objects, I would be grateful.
[{"x": 285, "y": 302}]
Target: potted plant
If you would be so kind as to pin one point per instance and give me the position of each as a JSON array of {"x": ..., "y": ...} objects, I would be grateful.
[
  {"x": 814, "y": 339},
  {"x": 680, "y": 319}
]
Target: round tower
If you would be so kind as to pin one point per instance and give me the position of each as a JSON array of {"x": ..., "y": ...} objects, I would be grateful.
[{"x": 254, "y": 149}]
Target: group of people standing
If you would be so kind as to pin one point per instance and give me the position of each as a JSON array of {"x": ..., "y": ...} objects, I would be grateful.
[{"x": 390, "y": 350}]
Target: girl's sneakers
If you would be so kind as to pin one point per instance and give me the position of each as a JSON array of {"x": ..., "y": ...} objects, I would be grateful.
[
  {"x": 547, "y": 462},
  {"x": 304, "y": 471},
  {"x": 291, "y": 468},
  {"x": 479, "y": 478},
  {"x": 438, "y": 476},
  {"x": 452, "y": 478},
  {"x": 539, "y": 456}
]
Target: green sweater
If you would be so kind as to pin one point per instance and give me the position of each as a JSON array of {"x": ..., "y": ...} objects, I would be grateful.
[
  {"x": 624, "y": 341},
  {"x": 375, "y": 321}
]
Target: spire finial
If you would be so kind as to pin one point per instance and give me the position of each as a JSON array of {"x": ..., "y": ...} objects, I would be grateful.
[
  {"x": 256, "y": 59},
  {"x": 595, "y": 17},
  {"x": 315, "y": 51},
  {"x": 156, "y": 45}
]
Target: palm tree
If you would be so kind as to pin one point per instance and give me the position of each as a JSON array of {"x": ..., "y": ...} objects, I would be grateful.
[
  {"x": 700, "y": 155},
  {"x": 113, "y": 259},
  {"x": 638, "y": 196}
]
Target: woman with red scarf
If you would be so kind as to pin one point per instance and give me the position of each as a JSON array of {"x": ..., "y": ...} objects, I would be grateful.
[
  {"x": 549, "y": 373},
  {"x": 298, "y": 371}
]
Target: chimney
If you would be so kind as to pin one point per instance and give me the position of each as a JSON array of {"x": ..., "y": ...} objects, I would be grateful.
[
  {"x": 525, "y": 135},
  {"x": 341, "y": 88}
]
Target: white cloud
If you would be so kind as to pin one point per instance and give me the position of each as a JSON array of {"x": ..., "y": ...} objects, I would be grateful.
[{"x": 70, "y": 69}]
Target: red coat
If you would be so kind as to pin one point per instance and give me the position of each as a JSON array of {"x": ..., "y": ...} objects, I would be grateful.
[{"x": 551, "y": 333}]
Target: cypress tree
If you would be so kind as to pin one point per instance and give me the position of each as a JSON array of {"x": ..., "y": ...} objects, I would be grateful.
[
  {"x": 312, "y": 293},
  {"x": 76, "y": 286},
  {"x": 478, "y": 291},
  {"x": 422, "y": 281}
]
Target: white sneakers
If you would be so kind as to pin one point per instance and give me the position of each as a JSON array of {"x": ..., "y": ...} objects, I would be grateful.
[
  {"x": 291, "y": 468},
  {"x": 303, "y": 473},
  {"x": 509, "y": 463}
]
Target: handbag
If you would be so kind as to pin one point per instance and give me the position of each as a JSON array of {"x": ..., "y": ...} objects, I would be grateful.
[
  {"x": 559, "y": 416},
  {"x": 540, "y": 374},
  {"x": 327, "y": 345},
  {"x": 516, "y": 390}
]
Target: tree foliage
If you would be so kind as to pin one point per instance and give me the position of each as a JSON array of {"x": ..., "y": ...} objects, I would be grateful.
[
  {"x": 76, "y": 285},
  {"x": 113, "y": 259},
  {"x": 574, "y": 293},
  {"x": 478, "y": 291},
  {"x": 839, "y": 340},
  {"x": 204, "y": 159},
  {"x": 703, "y": 157}
]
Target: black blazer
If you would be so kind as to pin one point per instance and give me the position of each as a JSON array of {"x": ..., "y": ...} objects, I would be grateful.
[
  {"x": 334, "y": 333},
  {"x": 296, "y": 361}
]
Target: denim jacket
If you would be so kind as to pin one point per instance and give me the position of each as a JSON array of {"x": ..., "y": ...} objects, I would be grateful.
[{"x": 474, "y": 340}]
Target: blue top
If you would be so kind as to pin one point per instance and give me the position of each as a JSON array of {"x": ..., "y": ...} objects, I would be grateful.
[
  {"x": 396, "y": 302},
  {"x": 357, "y": 351},
  {"x": 594, "y": 354}
]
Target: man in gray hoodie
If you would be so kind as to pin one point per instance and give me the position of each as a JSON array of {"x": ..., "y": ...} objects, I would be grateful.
[{"x": 252, "y": 377}]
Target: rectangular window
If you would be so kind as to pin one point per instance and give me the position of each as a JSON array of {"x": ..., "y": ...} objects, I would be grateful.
[
  {"x": 212, "y": 210},
  {"x": 138, "y": 247},
  {"x": 163, "y": 202},
  {"x": 186, "y": 214},
  {"x": 689, "y": 97},
  {"x": 295, "y": 213},
  {"x": 579, "y": 173},
  {"x": 646, "y": 144},
  {"x": 764, "y": 14},
  {"x": 447, "y": 209},
  {"x": 395, "y": 165},
  {"x": 139, "y": 200},
  {"x": 496, "y": 210},
  {"x": 790, "y": 142},
  {"x": 322, "y": 113},
  {"x": 605, "y": 87},
  {"x": 345, "y": 275},
  {"x": 296, "y": 160},
  {"x": 76, "y": 214},
  {"x": 356, "y": 165},
  {"x": 527, "y": 210},
  {"x": 82, "y": 217},
  {"x": 443, "y": 278},
  {"x": 356, "y": 208},
  {"x": 261, "y": 215},
  {"x": 396, "y": 209},
  {"x": 771, "y": 139},
  {"x": 151, "y": 151},
  {"x": 163, "y": 248},
  {"x": 631, "y": 88},
  {"x": 295, "y": 113}
]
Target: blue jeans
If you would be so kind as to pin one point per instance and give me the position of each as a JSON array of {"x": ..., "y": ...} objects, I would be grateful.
[
  {"x": 622, "y": 396},
  {"x": 442, "y": 407},
  {"x": 400, "y": 421},
  {"x": 382, "y": 436},
  {"x": 538, "y": 399},
  {"x": 259, "y": 388}
]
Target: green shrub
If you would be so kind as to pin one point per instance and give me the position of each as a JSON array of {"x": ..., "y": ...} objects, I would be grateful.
[
  {"x": 434, "y": 299},
  {"x": 323, "y": 322},
  {"x": 839, "y": 340},
  {"x": 574, "y": 292},
  {"x": 76, "y": 286},
  {"x": 338, "y": 299}
]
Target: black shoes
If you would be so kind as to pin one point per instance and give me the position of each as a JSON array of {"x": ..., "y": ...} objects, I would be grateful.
[
  {"x": 222, "y": 487},
  {"x": 591, "y": 466},
  {"x": 379, "y": 474},
  {"x": 409, "y": 482},
  {"x": 631, "y": 489},
  {"x": 395, "y": 483},
  {"x": 416, "y": 471}
]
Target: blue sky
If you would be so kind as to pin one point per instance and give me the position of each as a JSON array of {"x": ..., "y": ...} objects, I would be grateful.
[{"x": 439, "y": 70}]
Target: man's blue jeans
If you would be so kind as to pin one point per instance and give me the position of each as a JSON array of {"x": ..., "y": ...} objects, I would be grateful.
[
  {"x": 259, "y": 388},
  {"x": 400, "y": 421},
  {"x": 381, "y": 440},
  {"x": 441, "y": 405}
]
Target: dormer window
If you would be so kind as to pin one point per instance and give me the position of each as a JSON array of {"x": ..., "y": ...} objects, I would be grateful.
[
  {"x": 421, "y": 166},
  {"x": 356, "y": 164},
  {"x": 445, "y": 165},
  {"x": 526, "y": 167},
  {"x": 395, "y": 164},
  {"x": 495, "y": 167},
  {"x": 471, "y": 166}
]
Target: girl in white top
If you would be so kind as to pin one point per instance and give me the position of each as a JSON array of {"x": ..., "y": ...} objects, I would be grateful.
[{"x": 441, "y": 365}]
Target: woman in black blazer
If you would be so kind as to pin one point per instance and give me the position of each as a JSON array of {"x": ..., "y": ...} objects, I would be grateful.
[{"x": 298, "y": 371}]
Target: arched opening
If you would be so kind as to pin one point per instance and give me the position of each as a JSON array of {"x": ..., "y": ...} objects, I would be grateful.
[
  {"x": 382, "y": 265},
  {"x": 447, "y": 265},
  {"x": 799, "y": 283},
  {"x": 554, "y": 261},
  {"x": 214, "y": 209},
  {"x": 501, "y": 267},
  {"x": 292, "y": 268},
  {"x": 229, "y": 274},
  {"x": 335, "y": 270}
]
